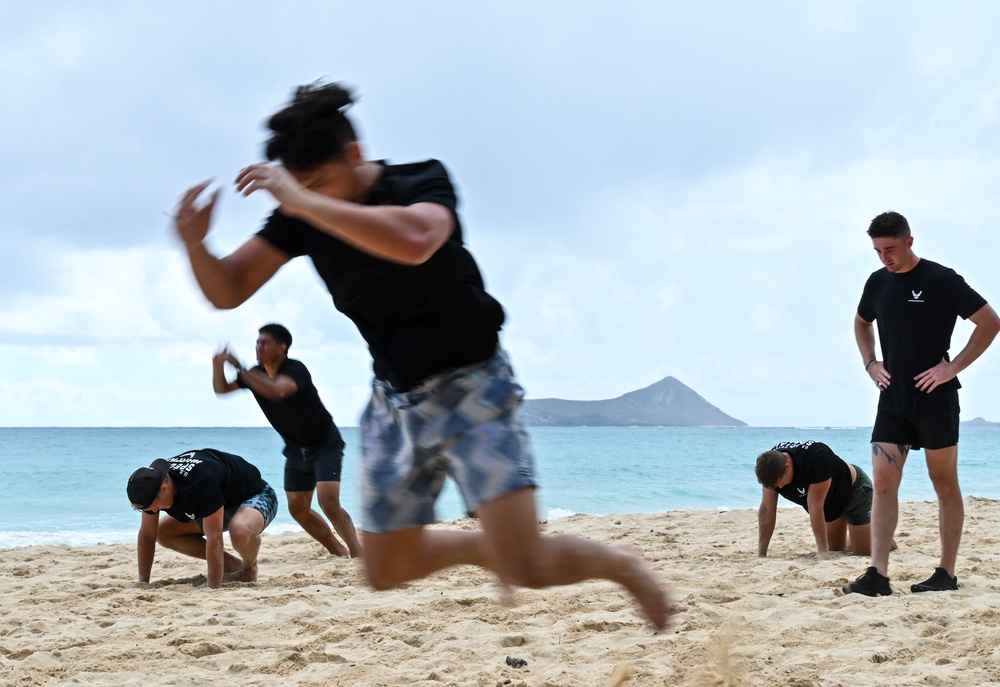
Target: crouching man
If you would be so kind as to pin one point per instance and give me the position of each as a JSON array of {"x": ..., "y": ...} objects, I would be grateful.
[
  {"x": 203, "y": 493},
  {"x": 836, "y": 494}
]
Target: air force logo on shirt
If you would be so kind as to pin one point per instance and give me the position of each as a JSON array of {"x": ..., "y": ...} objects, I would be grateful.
[
  {"x": 917, "y": 297},
  {"x": 801, "y": 490}
]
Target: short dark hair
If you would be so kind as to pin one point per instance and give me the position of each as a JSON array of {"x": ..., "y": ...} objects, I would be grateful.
[
  {"x": 312, "y": 129},
  {"x": 770, "y": 467},
  {"x": 889, "y": 225},
  {"x": 278, "y": 333}
]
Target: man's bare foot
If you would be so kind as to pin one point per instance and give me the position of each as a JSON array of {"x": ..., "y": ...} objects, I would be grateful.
[
  {"x": 249, "y": 573},
  {"x": 637, "y": 577},
  {"x": 339, "y": 550}
]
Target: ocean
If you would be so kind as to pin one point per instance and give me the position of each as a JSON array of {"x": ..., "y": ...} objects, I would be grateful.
[{"x": 67, "y": 485}]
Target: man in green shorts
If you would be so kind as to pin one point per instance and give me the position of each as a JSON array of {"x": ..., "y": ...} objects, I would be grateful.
[{"x": 837, "y": 496}]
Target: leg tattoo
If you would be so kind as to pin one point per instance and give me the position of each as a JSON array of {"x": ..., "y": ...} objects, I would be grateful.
[{"x": 878, "y": 449}]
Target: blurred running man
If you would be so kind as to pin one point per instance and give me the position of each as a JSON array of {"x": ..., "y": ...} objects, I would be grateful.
[{"x": 388, "y": 242}]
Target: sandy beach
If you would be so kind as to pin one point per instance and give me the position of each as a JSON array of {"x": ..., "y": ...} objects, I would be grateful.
[{"x": 76, "y": 616}]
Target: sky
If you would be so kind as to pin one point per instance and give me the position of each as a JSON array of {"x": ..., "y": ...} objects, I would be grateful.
[{"x": 651, "y": 189}]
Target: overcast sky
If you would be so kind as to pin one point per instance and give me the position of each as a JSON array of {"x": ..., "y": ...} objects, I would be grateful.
[{"x": 650, "y": 188}]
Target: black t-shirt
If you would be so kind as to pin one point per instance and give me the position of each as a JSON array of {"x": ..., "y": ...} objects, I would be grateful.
[
  {"x": 416, "y": 319},
  {"x": 814, "y": 462},
  {"x": 301, "y": 419},
  {"x": 915, "y": 312},
  {"x": 208, "y": 480}
]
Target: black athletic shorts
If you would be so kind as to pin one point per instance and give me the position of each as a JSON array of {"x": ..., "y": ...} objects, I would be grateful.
[
  {"x": 933, "y": 429},
  {"x": 304, "y": 466}
]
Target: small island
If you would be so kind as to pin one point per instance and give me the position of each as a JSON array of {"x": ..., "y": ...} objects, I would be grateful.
[
  {"x": 667, "y": 403},
  {"x": 980, "y": 422}
]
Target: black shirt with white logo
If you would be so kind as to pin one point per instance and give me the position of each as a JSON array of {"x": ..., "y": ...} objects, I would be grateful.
[
  {"x": 915, "y": 313},
  {"x": 814, "y": 462},
  {"x": 208, "y": 480},
  {"x": 417, "y": 319}
]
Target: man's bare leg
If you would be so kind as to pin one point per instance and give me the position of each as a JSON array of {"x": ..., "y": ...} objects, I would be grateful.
[
  {"x": 186, "y": 538},
  {"x": 860, "y": 539},
  {"x": 301, "y": 510},
  {"x": 328, "y": 495},
  {"x": 836, "y": 534},
  {"x": 511, "y": 546},
  {"x": 942, "y": 466},
  {"x": 887, "y": 473},
  {"x": 244, "y": 533},
  {"x": 523, "y": 557}
]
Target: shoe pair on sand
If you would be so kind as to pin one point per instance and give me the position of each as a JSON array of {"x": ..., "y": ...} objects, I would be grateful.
[{"x": 872, "y": 583}]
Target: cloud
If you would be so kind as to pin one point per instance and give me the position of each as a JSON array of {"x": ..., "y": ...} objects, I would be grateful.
[{"x": 651, "y": 189}]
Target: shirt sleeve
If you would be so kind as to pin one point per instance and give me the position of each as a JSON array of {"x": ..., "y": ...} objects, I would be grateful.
[
  {"x": 287, "y": 234},
  {"x": 821, "y": 463},
  {"x": 866, "y": 308},
  {"x": 206, "y": 497},
  {"x": 966, "y": 300}
]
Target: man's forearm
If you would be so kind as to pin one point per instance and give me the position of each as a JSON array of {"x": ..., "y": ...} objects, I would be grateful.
[
  {"x": 765, "y": 528},
  {"x": 219, "y": 382},
  {"x": 818, "y": 523},
  {"x": 146, "y": 552},
  {"x": 982, "y": 337},
  {"x": 215, "y": 556},
  {"x": 864, "y": 335},
  {"x": 213, "y": 277}
]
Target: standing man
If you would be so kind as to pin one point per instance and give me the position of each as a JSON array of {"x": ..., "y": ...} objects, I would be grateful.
[
  {"x": 204, "y": 494},
  {"x": 314, "y": 450},
  {"x": 836, "y": 494},
  {"x": 916, "y": 303},
  {"x": 388, "y": 242}
]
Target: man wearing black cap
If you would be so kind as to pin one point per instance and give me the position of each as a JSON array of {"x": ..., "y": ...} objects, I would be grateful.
[{"x": 204, "y": 494}]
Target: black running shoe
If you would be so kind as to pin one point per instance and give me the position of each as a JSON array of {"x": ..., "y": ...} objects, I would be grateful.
[
  {"x": 869, "y": 584},
  {"x": 940, "y": 581}
]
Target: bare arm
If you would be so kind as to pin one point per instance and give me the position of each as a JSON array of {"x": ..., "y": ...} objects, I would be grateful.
[
  {"x": 275, "y": 389},
  {"x": 766, "y": 517},
  {"x": 987, "y": 325},
  {"x": 407, "y": 235},
  {"x": 219, "y": 382},
  {"x": 226, "y": 282},
  {"x": 816, "y": 498},
  {"x": 146, "y": 544},
  {"x": 214, "y": 550},
  {"x": 864, "y": 334}
]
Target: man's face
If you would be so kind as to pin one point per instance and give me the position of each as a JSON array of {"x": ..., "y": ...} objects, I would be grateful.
[
  {"x": 786, "y": 477},
  {"x": 268, "y": 350},
  {"x": 894, "y": 253},
  {"x": 164, "y": 499},
  {"x": 337, "y": 178}
]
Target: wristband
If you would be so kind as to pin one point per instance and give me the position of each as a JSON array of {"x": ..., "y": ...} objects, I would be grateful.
[{"x": 869, "y": 363}]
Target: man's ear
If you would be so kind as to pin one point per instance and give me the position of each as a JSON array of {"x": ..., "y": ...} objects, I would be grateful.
[{"x": 354, "y": 155}]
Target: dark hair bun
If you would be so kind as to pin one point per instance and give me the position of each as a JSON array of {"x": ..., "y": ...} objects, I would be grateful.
[
  {"x": 313, "y": 128},
  {"x": 313, "y": 103}
]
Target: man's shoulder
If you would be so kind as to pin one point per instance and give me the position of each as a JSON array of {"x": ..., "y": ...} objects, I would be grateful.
[
  {"x": 292, "y": 364},
  {"x": 429, "y": 166}
]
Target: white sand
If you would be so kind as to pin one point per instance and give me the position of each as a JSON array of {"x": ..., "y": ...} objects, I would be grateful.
[{"x": 76, "y": 616}]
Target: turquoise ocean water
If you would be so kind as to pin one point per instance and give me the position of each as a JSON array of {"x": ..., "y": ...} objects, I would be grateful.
[{"x": 67, "y": 485}]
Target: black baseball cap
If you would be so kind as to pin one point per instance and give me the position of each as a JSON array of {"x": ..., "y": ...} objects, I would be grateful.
[{"x": 144, "y": 484}]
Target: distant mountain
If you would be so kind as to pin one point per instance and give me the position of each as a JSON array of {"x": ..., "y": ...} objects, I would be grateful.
[
  {"x": 666, "y": 403},
  {"x": 979, "y": 422}
]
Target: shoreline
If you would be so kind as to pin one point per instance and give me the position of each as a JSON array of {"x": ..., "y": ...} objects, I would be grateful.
[
  {"x": 75, "y": 615},
  {"x": 288, "y": 526}
]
